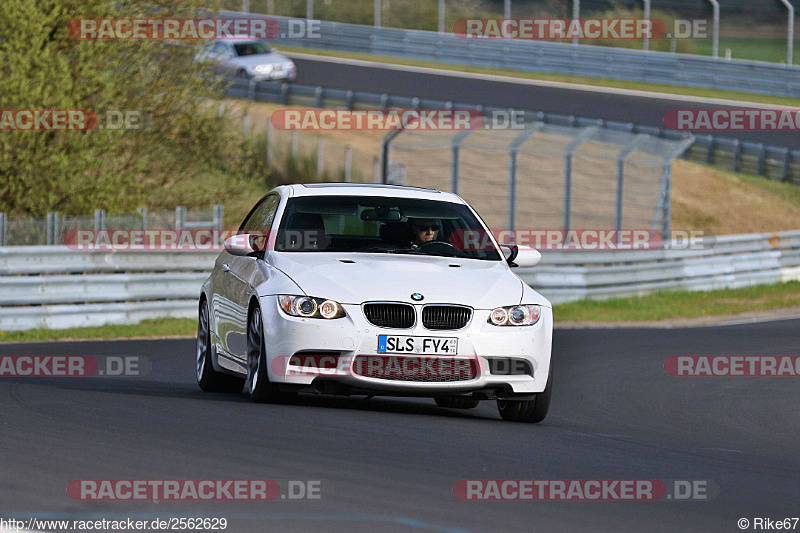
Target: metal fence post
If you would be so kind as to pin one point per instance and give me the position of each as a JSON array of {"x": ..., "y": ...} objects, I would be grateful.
[
  {"x": 218, "y": 217},
  {"x": 309, "y": 9},
  {"x": 52, "y": 228},
  {"x": 762, "y": 156},
  {"x": 507, "y": 9},
  {"x": 785, "y": 170},
  {"x": 318, "y": 96},
  {"x": 3, "y": 229},
  {"x": 246, "y": 125},
  {"x": 623, "y": 154},
  {"x": 512, "y": 172},
  {"x": 270, "y": 135},
  {"x": 294, "y": 144},
  {"x": 456, "y": 149},
  {"x": 441, "y": 16},
  {"x": 715, "y": 38},
  {"x": 667, "y": 207},
  {"x": 647, "y": 17},
  {"x": 143, "y": 213},
  {"x": 576, "y": 15},
  {"x": 348, "y": 163},
  {"x": 320, "y": 156},
  {"x": 568, "y": 151},
  {"x": 180, "y": 218},
  {"x": 790, "y": 37},
  {"x": 377, "y": 13},
  {"x": 99, "y": 219},
  {"x": 246, "y": 6},
  {"x": 385, "y": 147}
]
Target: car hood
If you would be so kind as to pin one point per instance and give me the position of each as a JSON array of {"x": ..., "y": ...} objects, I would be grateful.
[
  {"x": 260, "y": 59},
  {"x": 370, "y": 277}
]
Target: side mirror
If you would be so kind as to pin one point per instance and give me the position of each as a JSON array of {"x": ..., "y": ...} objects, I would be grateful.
[
  {"x": 246, "y": 244},
  {"x": 527, "y": 257}
]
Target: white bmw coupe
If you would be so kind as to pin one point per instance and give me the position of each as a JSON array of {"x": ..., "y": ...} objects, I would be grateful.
[{"x": 374, "y": 290}]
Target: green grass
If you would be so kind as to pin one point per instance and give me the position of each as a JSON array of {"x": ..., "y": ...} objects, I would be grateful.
[
  {"x": 660, "y": 306},
  {"x": 585, "y": 80},
  {"x": 681, "y": 304},
  {"x": 753, "y": 48},
  {"x": 161, "y": 327}
]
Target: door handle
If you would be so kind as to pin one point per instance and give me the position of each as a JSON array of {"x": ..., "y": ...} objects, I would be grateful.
[{"x": 225, "y": 267}]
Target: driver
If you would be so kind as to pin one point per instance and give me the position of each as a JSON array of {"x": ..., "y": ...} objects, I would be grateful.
[{"x": 424, "y": 230}]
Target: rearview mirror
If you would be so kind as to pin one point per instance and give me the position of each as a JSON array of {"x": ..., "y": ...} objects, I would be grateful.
[
  {"x": 527, "y": 257},
  {"x": 384, "y": 215},
  {"x": 246, "y": 244}
]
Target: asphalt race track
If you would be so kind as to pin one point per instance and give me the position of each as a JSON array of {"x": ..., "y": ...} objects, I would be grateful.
[
  {"x": 389, "y": 464},
  {"x": 580, "y": 102}
]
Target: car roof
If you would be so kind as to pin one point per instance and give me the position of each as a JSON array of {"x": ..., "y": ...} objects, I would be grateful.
[{"x": 370, "y": 189}]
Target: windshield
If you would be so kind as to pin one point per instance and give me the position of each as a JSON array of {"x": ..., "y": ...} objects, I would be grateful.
[
  {"x": 366, "y": 224},
  {"x": 251, "y": 48}
]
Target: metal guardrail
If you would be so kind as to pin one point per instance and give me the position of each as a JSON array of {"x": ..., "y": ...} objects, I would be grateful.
[
  {"x": 756, "y": 158},
  {"x": 732, "y": 261},
  {"x": 561, "y": 58},
  {"x": 56, "y": 287},
  {"x": 37, "y": 290}
]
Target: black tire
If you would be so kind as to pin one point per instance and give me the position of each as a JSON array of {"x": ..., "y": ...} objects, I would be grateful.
[
  {"x": 259, "y": 387},
  {"x": 242, "y": 74},
  {"x": 530, "y": 411},
  {"x": 209, "y": 379},
  {"x": 457, "y": 402}
]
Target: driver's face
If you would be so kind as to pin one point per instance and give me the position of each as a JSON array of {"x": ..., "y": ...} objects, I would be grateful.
[{"x": 425, "y": 230}]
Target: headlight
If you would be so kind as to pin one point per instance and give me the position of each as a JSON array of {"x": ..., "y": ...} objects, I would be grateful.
[
  {"x": 288, "y": 66},
  {"x": 308, "y": 307},
  {"x": 515, "y": 315},
  {"x": 263, "y": 69}
]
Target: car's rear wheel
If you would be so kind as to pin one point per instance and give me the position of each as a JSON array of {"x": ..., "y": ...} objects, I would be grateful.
[
  {"x": 259, "y": 387},
  {"x": 209, "y": 379},
  {"x": 457, "y": 402},
  {"x": 531, "y": 411}
]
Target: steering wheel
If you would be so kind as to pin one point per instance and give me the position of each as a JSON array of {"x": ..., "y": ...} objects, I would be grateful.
[{"x": 441, "y": 247}]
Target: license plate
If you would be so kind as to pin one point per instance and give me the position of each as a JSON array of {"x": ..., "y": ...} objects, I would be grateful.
[{"x": 417, "y": 345}]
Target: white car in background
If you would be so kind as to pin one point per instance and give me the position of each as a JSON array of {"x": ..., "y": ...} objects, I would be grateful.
[
  {"x": 358, "y": 289},
  {"x": 248, "y": 59}
]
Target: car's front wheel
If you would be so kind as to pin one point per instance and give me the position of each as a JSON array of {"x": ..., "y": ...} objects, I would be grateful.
[
  {"x": 259, "y": 387},
  {"x": 531, "y": 411},
  {"x": 209, "y": 379}
]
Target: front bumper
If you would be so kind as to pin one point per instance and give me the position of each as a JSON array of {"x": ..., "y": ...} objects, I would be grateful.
[
  {"x": 348, "y": 337},
  {"x": 284, "y": 74}
]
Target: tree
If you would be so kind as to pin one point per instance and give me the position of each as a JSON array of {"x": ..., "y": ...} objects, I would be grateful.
[{"x": 43, "y": 67}]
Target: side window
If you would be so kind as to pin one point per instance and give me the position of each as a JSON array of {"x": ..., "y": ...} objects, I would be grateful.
[{"x": 261, "y": 218}]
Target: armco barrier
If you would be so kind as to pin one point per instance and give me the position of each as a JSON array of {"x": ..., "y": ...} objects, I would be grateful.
[
  {"x": 732, "y": 261},
  {"x": 562, "y": 58},
  {"x": 55, "y": 287}
]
